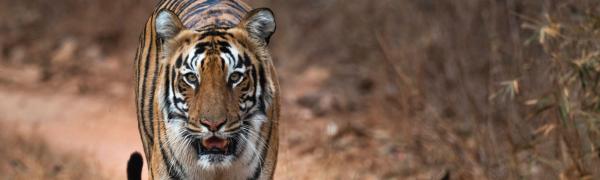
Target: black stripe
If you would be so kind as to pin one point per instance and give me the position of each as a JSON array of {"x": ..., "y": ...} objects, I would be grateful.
[
  {"x": 200, "y": 48},
  {"x": 147, "y": 131},
  {"x": 175, "y": 116},
  {"x": 263, "y": 82},
  {"x": 239, "y": 62},
  {"x": 226, "y": 23},
  {"x": 200, "y": 7},
  {"x": 213, "y": 33},
  {"x": 222, "y": 64},
  {"x": 213, "y": 13},
  {"x": 187, "y": 63},
  {"x": 137, "y": 76},
  {"x": 179, "y": 61},
  {"x": 224, "y": 44},
  {"x": 169, "y": 4},
  {"x": 237, "y": 6},
  {"x": 167, "y": 79},
  {"x": 152, "y": 84},
  {"x": 189, "y": 15},
  {"x": 170, "y": 167},
  {"x": 139, "y": 113},
  {"x": 258, "y": 169},
  {"x": 175, "y": 6},
  {"x": 168, "y": 89},
  {"x": 170, "y": 85},
  {"x": 246, "y": 60},
  {"x": 177, "y": 163},
  {"x": 178, "y": 101},
  {"x": 255, "y": 79},
  {"x": 171, "y": 171},
  {"x": 173, "y": 79},
  {"x": 182, "y": 8}
]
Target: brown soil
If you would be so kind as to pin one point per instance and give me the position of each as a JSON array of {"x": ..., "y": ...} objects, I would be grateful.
[{"x": 100, "y": 128}]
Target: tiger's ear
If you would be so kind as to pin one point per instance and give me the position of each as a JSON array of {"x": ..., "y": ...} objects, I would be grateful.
[
  {"x": 260, "y": 23},
  {"x": 167, "y": 24}
]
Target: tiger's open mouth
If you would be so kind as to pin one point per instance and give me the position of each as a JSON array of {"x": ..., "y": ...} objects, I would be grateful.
[{"x": 215, "y": 146}]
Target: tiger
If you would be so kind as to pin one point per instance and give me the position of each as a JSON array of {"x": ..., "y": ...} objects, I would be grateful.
[{"x": 207, "y": 93}]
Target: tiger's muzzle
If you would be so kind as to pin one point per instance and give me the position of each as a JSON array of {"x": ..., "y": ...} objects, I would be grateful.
[{"x": 211, "y": 141}]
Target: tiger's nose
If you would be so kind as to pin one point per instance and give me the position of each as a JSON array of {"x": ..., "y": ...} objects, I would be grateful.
[{"x": 213, "y": 125}]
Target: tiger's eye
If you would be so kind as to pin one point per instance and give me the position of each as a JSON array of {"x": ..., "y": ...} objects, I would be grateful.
[
  {"x": 191, "y": 78},
  {"x": 234, "y": 77}
]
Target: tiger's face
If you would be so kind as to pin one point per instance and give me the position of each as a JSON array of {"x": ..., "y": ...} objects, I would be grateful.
[{"x": 215, "y": 89}]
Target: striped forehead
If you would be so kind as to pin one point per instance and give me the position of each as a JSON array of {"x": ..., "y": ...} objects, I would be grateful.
[{"x": 229, "y": 54}]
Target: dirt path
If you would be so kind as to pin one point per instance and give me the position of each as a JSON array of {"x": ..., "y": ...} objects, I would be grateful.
[
  {"x": 81, "y": 124},
  {"x": 106, "y": 129}
]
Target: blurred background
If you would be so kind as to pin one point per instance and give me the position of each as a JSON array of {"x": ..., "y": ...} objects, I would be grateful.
[{"x": 387, "y": 89}]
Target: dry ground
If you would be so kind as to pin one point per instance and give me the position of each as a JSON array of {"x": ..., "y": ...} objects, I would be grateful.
[{"x": 390, "y": 89}]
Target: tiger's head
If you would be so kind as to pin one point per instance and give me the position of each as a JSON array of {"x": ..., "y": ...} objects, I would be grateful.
[{"x": 216, "y": 88}]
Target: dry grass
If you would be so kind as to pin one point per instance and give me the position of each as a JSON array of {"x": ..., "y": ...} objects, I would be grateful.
[
  {"x": 476, "y": 89},
  {"x": 568, "y": 34}
]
